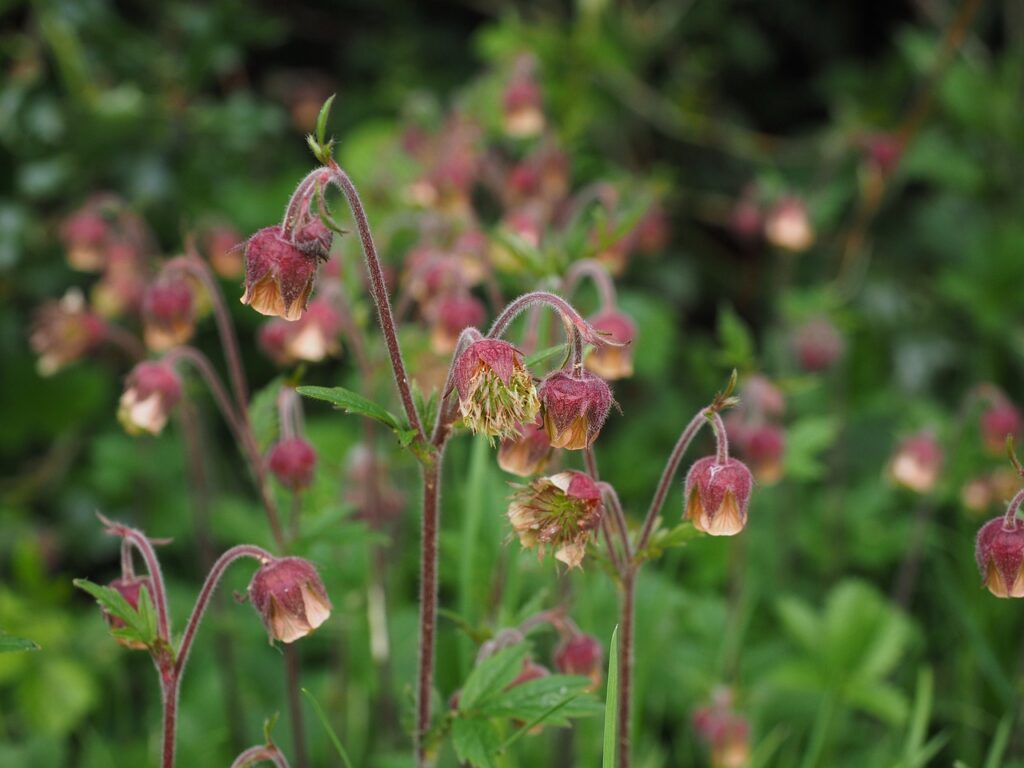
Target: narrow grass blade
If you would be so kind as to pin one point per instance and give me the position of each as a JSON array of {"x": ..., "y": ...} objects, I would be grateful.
[
  {"x": 327, "y": 727},
  {"x": 610, "y": 758}
]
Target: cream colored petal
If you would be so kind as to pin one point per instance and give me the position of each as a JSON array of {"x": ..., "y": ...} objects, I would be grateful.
[
  {"x": 317, "y": 610},
  {"x": 308, "y": 344},
  {"x": 572, "y": 553},
  {"x": 728, "y": 521},
  {"x": 285, "y": 626},
  {"x": 266, "y": 299}
]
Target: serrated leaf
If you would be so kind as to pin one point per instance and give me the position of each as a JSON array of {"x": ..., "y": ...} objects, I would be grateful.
[
  {"x": 492, "y": 675},
  {"x": 353, "y": 402},
  {"x": 476, "y": 741},
  {"x": 9, "y": 644},
  {"x": 561, "y": 697},
  {"x": 140, "y": 625}
]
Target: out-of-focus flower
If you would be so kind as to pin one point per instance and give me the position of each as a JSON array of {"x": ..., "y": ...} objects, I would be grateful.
[
  {"x": 999, "y": 552},
  {"x": 279, "y": 275},
  {"x": 717, "y": 496},
  {"x": 313, "y": 337},
  {"x": 762, "y": 398},
  {"x": 527, "y": 454},
  {"x": 580, "y": 654},
  {"x": 764, "y": 446},
  {"x": 651, "y": 233},
  {"x": 450, "y": 315},
  {"x": 613, "y": 361},
  {"x": 64, "y": 332},
  {"x": 290, "y": 598},
  {"x": 523, "y": 111},
  {"x": 223, "y": 247},
  {"x": 152, "y": 389},
  {"x": 1000, "y": 419},
  {"x": 559, "y": 511},
  {"x": 726, "y": 733},
  {"x": 496, "y": 392},
  {"x": 818, "y": 344},
  {"x": 788, "y": 225},
  {"x": 85, "y": 234},
  {"x": 575, "y": 406},
  {"x": 883, "y": 151},
  {"x": 293, "y": 461},
  {"x": 917, "y": 463},
  {"x": 168, "y": 313}
]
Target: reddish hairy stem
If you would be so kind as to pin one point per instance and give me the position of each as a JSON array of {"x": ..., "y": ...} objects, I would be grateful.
[
  {"x": 379, "y": 292},
  {"x": 721, "y": 438},
  {"x": 1010, "y": 518},
  {"x": 267, "y": 752},
  {"x": 204, "y": 367},
  {"x": 141, "y": 543},
  {"x": 292, "y": 667}
]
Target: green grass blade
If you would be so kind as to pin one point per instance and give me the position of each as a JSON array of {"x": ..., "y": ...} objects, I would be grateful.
[
  {"x": 610, "y": 758},
  {"x": 999, "y": 742},
  {"x": 327, "y": 727}
]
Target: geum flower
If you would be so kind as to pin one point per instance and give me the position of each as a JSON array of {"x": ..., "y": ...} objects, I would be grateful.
[
  {"x": 717, "y": 495},
  {"x": 280, "y": 271},
  {"x": 576, "y": 406},
  {"x": 290, "y": 598},
  {"x": 559, "y": 511},
  {"x": 496, "y": 392}
]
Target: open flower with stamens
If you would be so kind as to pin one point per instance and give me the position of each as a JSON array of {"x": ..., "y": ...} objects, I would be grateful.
[
  {"x": 527, "y": 454},
  {"x": 999, "y": 551},
  {"x": 613, "y": 361},
  {"x": 280, "y": 273},
  {"x": 576, "y": 406},
  {"x": 63, "y": 332},
  {"x": 717, "y": 495},
  {"x": 496, "y": 392},
  {"x": 559, "y": 511},
  {"x": 152, "y": 389},
  {"x": 290, "y": 598}
]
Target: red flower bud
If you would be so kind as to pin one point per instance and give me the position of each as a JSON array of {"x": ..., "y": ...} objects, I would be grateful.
[
  {"x": 818, "y": 345},
  {"x": 760, "y": 396},
  {"x": 452, "y": 314},
  {"x": 764, "y": 446},
  {"x": 999, "y": 420},
  {"x": 290, "y": 598},
  {"x": 575, "y": 407},
  {"x": 527, "y": 454},
  {"x": 726, "y": 734},
  {"x": 560, "y": 511},
  {"x": 63, "y": 332},
  {"x": 129, "y": 588},
  {"x": 917, "y": 463},
  {"x": 717, "y": 496},
  {"x": 610, "y": 361},
  {"x": 293, "y": 461},
  {"x": 496, "y": 393},
  {"x": 167, "y": 313},
  {"x": 279, "y": 274},
  {"x": 999, "y": 552},
  {"x": 580, "y": 654},
  {"x": 152, "y": 389}
]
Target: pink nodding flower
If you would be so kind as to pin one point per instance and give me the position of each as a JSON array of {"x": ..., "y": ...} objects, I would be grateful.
[
  {"x": 717, "y": 496},
  {"x": 290, "y": 598},
  {"x": 168, "y": 313},
  {"x": 152, "y": 389},
  {"x": 496, "y": 392},
  {"x": 999, "y": 552},
  {"x": 280, "y": 273},
  {"x": 613, "y": 361},
  {"x": 560, "y": 511},
  {"x": 575, "y": 407}
]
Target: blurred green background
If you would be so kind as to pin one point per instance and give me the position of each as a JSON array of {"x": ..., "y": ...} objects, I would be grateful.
[{"x": 847, "y": 619}]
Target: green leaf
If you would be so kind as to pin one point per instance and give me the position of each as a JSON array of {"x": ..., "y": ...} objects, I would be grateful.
[
  {"x": 544, "y": 717},
  {"x": 476, "y": 741},
  {"x": 140, "y": 624},
  {"x": 667, "y": 538},
  {"x": 352, "y": 402},
  {"x": 327, "y": 727},
  {"x": 736, "y": 339},
  {"x": 800, "y": 622},
  {"x": 321, "y": 120},
  {"x": 806, "y": 441},
  {"x": 492, "y": 675},
  {"x": 9, "y": 644},
  {"x": 611, "y": 698},
  {"x": 559, "y": 697}
]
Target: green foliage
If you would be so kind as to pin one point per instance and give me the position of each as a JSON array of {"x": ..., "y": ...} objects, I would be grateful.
[{"x": 139, "y": 623}]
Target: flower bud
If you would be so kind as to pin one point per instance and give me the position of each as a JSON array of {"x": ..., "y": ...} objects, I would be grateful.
[
  {"x": 279, "y": 274},
  {"x": 788, "y": 225},
  {"x": 818, "y": 345},
  {"x": 764, "y": 446},
  {"x": 63, "y": 332},
  {"x": 292, "y": 462},
  {"x": 762, "y": 397},
  {"x": 575, "y": 407},
  {"x": 999, "y": 552},
  {"x": 726, "y": 734},
  {"x": 717, "y": 496},
  {"x": 496, "y": 393},
  {"x": 527, "y": 454},
  {"x": 1000, "y": 419},
  {"x": 558, "y": 511},
  {"x": 451, "y": 315},
  {"x": 152, "y": 389},
  {"x": 290, "y": 598},
  {"x": 611, "y": 361},
  {"x": 168, "y": 314},
  {"x": 314, "y": 336},
  {"x": 580, "y": 654},
  {"x": 917, "y": 463},
  {"x": 85, "y": 235},
  {"x": 883, "y": 151},
  {"x": 129, "y": 589}
]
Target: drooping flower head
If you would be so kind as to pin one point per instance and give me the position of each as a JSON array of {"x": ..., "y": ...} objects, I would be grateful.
[
  {"x": 1000, "y": 419},
  {"x": 152, "y": 389},
  {"x": 576, "y": 406},
  {"x": 63, "y": 332},
  {"x": 168, "y": 312},
  {"x": 613, "y": 361},
  {"x": 999, "y": 552},
  {"x": 496, "y": 392},
  {"x": 763, "y": 447},
  {"x": 559, "y": 511},
  {"x": 917, "y": 462},
  {"x": 290, "y": 598},
  {"x": 818, "y": 344},
  {"x": 450, "y": 315},
  {"x": 312, "y": 338},
  {"x": 527, "y": 454},
  {"x": 85, "y": 234},
  {"x": 222, "y": 245},
  {"x": 717, "y": 495},
  {"x": 788, "y": 225},
  {"x": 580, "y": 654},
  {"x": 280, "y": 273},
  {"x": 293, "y": 461},
  {"x": 725, "y": 732}
]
